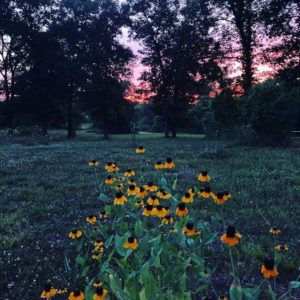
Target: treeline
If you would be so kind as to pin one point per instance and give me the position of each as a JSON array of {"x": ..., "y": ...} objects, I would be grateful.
[{"x": 62, "y": 63}]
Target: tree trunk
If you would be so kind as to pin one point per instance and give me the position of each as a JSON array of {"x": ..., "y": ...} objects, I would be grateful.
[
  {"x": 71, "y": 131},
  {"x": 45, "y": 127},
  {"x": 166, "y": 123},
  {"x": 105, "y": 133},
  {"x": 174, "y": 133}
]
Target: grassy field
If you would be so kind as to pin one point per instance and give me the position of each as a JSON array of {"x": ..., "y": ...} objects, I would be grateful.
[{"x": 46, "y": 188}]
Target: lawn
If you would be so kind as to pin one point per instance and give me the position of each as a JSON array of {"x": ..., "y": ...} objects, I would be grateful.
[{"x": 47, "y": 188}]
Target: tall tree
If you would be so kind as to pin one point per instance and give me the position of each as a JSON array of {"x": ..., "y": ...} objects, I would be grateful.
[{"x": 177, "y": 51}]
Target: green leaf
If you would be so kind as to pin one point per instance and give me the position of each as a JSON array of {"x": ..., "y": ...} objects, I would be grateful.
[
  {"x": 211, "y": 239},
  {"x": 294, "y": 285},
  {"x": 85, "y": 271},
  {"x": 163, "y": 182},
  {"x": 88, "y": 292},
  {"x": 119, "y": 243},
  {"x": 174, "y": 185},
  {"x": 236, "y": 291},
  {"x": 80, "y": 260},
  {"x": 251, "y": 293},
  {"x": 143, "y": 295},
  {"x": 108, "y": 242},
  {"x": 102, "y": 197},
  {"x": 147, "y": 280},
  {"x": 138, "y": 228}
]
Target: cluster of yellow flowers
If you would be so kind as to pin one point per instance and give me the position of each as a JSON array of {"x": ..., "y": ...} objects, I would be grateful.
[{"x": 152, "y": 201}]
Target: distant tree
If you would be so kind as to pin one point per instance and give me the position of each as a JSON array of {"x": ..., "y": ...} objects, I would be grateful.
[
  {"x": 282, "y": 21},
  {"x": 105, "y": 63},
  {"x": 177, "y": 50},
  {"x": 270, "y": 111}
]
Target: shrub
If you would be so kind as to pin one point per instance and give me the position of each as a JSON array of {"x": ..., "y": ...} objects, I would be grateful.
[{"x": 269, "y": 109}]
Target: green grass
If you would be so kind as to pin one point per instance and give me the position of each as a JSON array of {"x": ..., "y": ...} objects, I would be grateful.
[{"x": 46, "y": 188}]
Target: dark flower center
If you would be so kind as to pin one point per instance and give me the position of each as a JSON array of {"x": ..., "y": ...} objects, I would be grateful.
[
  {"x": 230, "y": 232},
  {"x": 47, "y": 287},
  {"x": 109, "y": 164},
  {"x": 77, "y": 293},
  {"x": 150, "y": 184},
  {"x": 131, "y": 239},
  {"x": 109, "y": 177},
  {"x": 149, "y": 207},
  {"x": 98, "y": 241},
  {"x": 91, "y": 217},
  {"x": 119, "y": 195},
  {"x": 103, "y": 212},
  {"x": 153, "y": 197},
  {"x": 274, "y": 228},
  {"x": 207, "y": 189},
  {"x": 226, "y": 193},
  {"x": 74, "y": 231},
  {"x": 187, "y": 195},
  {"x": 168, "y": 217},
  {"x": 99, "y": 290},
  {"x": 169, "y": 160},
  {"x": 128, "y": 170},
  {"x": 131, "y": 187},
  {"x": 159, "y": 162},
  {"x": 189, "y": 226},
  {"x": 181, "y": 206},
  {"x": 269, "y": 263},
  {"x": 220, "y": 195},
  {"x": 204, "y": 173},
  {"x": 159, "y": 207},
  {"x": 141, "y": 147},
  {"x": 142, "y": 189}
]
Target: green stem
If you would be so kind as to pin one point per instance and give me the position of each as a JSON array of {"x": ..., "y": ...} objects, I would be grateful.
[{"x": 232, "y": 264}]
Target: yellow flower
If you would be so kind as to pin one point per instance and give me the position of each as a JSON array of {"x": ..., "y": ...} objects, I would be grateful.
[
  {"x": 150, "y": 187},
  {"x": 110, "y": 180},
  {"x": 111, "y": 167},
  {"x": 76, "y": 295},
  {"x": 93, "y": 163},
  {"x": 187, "y": 198},
  {"x": 219, "y": 198},
  {"x": 119, "y": 186},
  {"x": 103, "y": 215},
  {"x": 148, "y": 210},
  {"x": 100, "y": 293},
  {"x": 274, "y": 230},
  {"x": 153, "y": 200},
  {"x": 181, "y": 210},
  {"x": 48, "y": 291},
  {"x": 131, "y": 243},
  {"x": 169, "y": 164},
  {"x": 281, "y": 248},
  {"x": 142, "y": 193},
  {"x": 159, "y": 211},
  {"x": 231, "y": 237},
  {"x": 98, "y": 243},
  {"x": 192, "y": 191},
  {"x": 91, "y": 219},
  {"x": 205, "y": 192},
  {"x": 129, "y": 173},
  {"x": 162, "y": 194},
  {"x": 189, "y": 230},
  {"x": 120, "y": 199},
  {"x": 97, "y": 283},
  {"x": 203, "y": 177},
  {"x": 139, "y": 203},
  {"x": 268, "y": 268},
  {"x": 140, "y": 150},
  {"x": 168, "y": 220},
  {"x": 75, "y": 234},
  {"x": 132, "y": 190},
  {"x": 173, "y": 229},
  {"x": 222, "y": 297},
  {"x": 131, "y": 182},
  {"x": 227, "y": 195},
  {"x": 62, "y": 291},
  {"x": 159, "y": 165}
]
